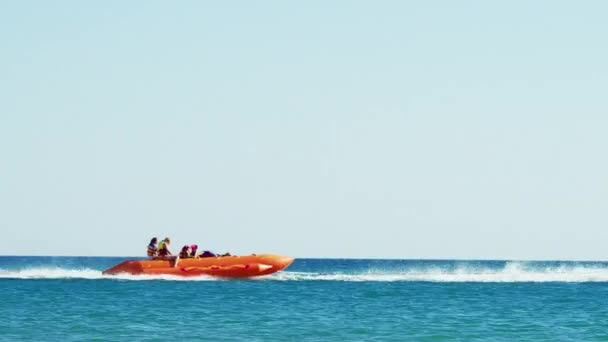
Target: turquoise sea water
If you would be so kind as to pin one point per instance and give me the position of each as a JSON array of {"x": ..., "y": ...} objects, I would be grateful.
[{"x": 67, "y": 299}]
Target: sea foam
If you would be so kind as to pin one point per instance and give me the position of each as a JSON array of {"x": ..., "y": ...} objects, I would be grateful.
[
  {"x": 85, "y": 273},
  {"x": 511, "y": 272}
]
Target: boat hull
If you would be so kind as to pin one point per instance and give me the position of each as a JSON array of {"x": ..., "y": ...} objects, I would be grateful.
[{"x": 227, "y": 267}]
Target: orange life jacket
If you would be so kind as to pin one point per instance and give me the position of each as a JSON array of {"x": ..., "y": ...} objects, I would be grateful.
[{"x": 152, "y": 250}]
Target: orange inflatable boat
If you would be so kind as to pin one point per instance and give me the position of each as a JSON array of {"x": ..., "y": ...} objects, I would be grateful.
[{"x": 226, "y": 266}]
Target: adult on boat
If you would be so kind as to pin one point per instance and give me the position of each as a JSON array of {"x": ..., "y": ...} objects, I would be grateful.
[
  {"x": 163, "y": 248},
  {"x": 209, "y": 254},
  {"x": 205, "y": 254},
  {"x": 165, "y": 253},
  {"x": 152, "y": 249},
  {"x": 193, "y": 250},
  {"x": 185, "y": 252}
]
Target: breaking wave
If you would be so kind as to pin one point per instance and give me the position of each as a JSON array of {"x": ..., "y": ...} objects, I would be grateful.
[{"x": 511, "y": 272}]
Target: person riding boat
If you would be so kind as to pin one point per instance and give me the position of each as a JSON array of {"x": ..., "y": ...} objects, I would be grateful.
[
  {"x": 163, "y": 248},
  {"x": 185, "y": 253},
  {"x": 207, "y": 254},
  {"x": 152, "y": 249},
  {"x": 193, "y": 250},
  {"x": 164, "y": 253}
]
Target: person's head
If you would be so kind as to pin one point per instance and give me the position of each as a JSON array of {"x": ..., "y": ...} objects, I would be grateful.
[
  {"x": 186, "y": 249},
  {"x": 154, "y": 240},
  {"x": 193, "y": 247},
  {"x": 167, "y": 240}
]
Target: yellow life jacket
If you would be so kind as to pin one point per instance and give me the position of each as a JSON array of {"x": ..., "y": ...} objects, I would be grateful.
[{"x": 163, "y": 250}]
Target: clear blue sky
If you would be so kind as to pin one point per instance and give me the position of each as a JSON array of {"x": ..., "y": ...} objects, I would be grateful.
[{"x": 412, "y": 129}]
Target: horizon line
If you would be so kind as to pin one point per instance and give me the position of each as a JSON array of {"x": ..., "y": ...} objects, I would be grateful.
[{"x": 331, "y": 258}]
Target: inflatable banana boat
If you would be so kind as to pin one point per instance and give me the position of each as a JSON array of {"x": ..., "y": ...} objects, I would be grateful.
[{"x": 225, "y": 266}]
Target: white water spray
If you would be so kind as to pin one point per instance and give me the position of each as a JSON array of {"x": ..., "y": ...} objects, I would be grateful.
[{"x": 512, "y": 272}]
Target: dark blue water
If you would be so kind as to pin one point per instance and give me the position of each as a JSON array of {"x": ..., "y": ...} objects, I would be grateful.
[{"x": 51, "y": 299}]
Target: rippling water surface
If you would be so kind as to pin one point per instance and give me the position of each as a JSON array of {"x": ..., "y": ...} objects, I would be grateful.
[{"x": 61, "y": 298}]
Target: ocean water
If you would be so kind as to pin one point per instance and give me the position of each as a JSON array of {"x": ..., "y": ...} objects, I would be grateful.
[{"x": 68, "y": 299}]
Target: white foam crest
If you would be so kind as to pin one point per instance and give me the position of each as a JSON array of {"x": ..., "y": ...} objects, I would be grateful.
[
  {"x": 513, "y": 272},
  {"x": 86, "y": 273},
  {"x": 50, "y": 273},
  {"x": 510, "y": 273}
]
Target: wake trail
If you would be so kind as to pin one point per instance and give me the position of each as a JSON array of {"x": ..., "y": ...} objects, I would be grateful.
[
  {"x": 86, "y": 273},
  {"x": 512, "y": 272}
]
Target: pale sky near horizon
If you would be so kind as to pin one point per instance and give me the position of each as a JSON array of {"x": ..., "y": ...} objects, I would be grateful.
[{"x": 398, "y": 129}]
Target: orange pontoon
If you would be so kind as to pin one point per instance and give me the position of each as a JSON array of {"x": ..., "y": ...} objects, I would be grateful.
[{"x": 227, "y": 266}]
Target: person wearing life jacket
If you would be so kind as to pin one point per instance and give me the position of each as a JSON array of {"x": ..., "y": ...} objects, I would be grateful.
[
  {"x": 164, "y": 252},
  {"x": 207, "y": 254},
  {"x": 193, "y": 250},
  {"x": 163, "y": 248},
  {"x": 152, "y": 249},
  {"x": 185, "y": 253}
]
